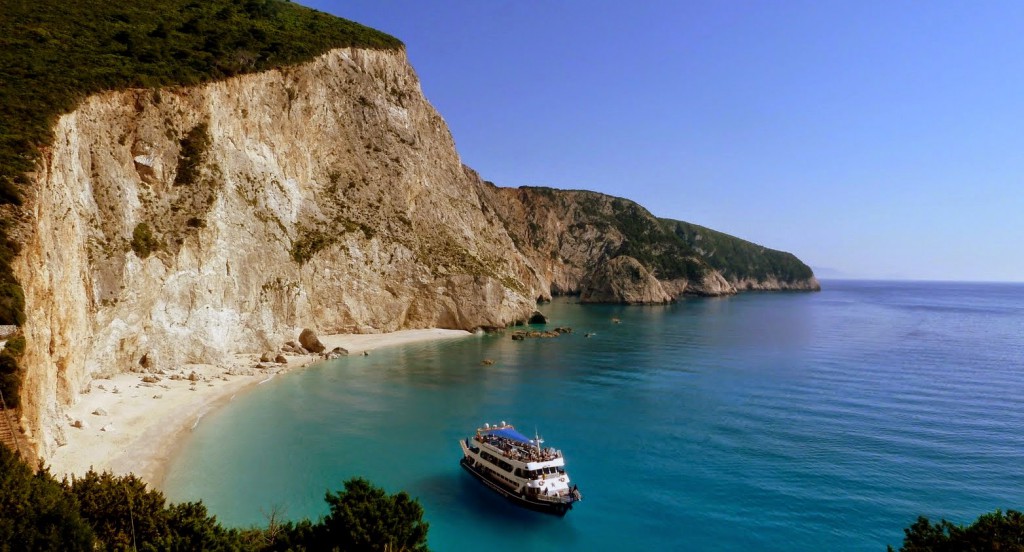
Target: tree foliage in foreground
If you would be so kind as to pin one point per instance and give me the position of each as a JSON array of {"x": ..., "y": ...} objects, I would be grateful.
[
  {"x": 993, "y": 531},
  {"x": 363, "y": 517},
  {"x": 108, "y": 512}
]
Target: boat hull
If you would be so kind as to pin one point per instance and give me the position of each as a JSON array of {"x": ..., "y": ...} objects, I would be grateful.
[{"x": 547, "y": 507}]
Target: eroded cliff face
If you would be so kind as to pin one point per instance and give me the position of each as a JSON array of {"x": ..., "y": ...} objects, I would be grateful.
[
  {"x": 590, "y": 244},
  {"x": 622, "y": 280},
  {"x": 182, "y": 225},
  {"x": 327, "y": 195}
]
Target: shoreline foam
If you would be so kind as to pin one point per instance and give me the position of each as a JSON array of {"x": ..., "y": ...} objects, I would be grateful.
[{"x": 145, "y": 422}]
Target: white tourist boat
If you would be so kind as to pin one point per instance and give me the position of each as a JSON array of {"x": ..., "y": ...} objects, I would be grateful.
[{"x": 519, "y": 468}]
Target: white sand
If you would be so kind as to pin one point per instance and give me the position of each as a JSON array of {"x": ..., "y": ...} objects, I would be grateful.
[{"x": 145, "y": 421}]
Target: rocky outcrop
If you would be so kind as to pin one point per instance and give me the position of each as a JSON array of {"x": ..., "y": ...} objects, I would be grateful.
[
  {"x": 622, "y": 280},
  {"x": 775, "y": 284},
  {"x": 567, "y": 236},
  {"x": 742, "y": 264},
  {"x": 710, "y": 284}
]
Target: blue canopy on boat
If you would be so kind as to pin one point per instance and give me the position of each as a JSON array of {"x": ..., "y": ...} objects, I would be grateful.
[{"x": 509, "y": 433}]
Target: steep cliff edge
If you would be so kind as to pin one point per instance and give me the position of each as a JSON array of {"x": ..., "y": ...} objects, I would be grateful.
[
  {"x": 745, "y": 265},
  {"x": 186, "y": 224},
  {"x": 176, "y": 225},
  {"x": 569, "y": 236}
]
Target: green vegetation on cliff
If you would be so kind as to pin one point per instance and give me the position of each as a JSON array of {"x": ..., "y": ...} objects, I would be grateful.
[
  {"x": 53, "y": 54},
  {"x": 670, "y": 249},
  {"x": 10, "y": 372},
  {"x": 738, "y": 259},
  {"x": 643, "y": 238},
  {"x": 107, "y": 512},
  {"x": 666, "y": 255}
]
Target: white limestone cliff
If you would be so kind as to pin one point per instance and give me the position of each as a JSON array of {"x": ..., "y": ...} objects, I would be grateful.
[
  {"x": 183, "y": 225},
  {"x": 339, "y": 161}
]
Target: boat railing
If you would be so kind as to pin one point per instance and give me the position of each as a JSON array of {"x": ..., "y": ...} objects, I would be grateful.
[
  {"x": 569, "y": 495},
  {"x": 524, "y": 454}
]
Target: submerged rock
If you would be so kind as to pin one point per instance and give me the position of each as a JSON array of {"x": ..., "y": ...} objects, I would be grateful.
[{"x": 520, "y": 335}]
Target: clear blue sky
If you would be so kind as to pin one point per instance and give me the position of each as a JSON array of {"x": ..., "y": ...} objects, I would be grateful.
[{"x": 872, "y": 139}]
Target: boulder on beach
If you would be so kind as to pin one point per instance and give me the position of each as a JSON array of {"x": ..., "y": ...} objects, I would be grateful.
[
  {"x": 310, "y": 341},
  {"x": 99, "y": 412},
  {"x": 280, "y": 359},
  {"x": 266, "y": 357}
]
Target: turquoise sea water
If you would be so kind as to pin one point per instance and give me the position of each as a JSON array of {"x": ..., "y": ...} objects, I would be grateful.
[{"x": 792, "y": 421}]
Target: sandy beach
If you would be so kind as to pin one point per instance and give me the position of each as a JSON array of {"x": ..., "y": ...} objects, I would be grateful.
[{"x": 128, "y": 424}]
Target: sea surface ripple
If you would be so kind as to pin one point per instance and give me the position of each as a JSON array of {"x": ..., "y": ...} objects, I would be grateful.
[{"x": 786, "y": 421}]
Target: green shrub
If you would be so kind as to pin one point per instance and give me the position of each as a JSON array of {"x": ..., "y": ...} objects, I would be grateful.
[
  {"x": 120, "y": 509},
  {"x": 12, "y": 302},
  {"x": 364, "y": 517},
  {"x": 15, "y": 346},
  {"x": 193, "y": 153},
  {"x": 12, "y": 298},
  {"x": 10, "y": 380},
  {"x": 35, "y": 512},
  {"x": 143, "y": 242},
  {"x": 309, "y": 243},
  {"x": 992, "y": 531},
  {"x": 108, "y": 512}
]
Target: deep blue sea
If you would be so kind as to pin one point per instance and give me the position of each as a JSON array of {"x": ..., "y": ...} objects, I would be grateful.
[{"x": 764, "y": 421}]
